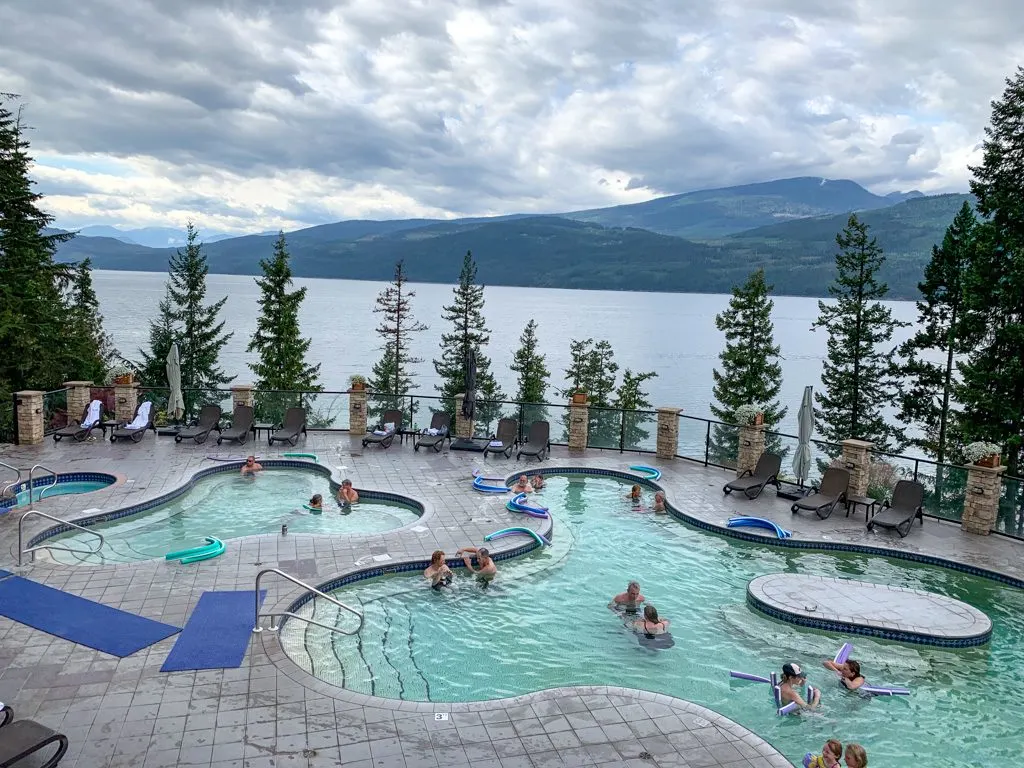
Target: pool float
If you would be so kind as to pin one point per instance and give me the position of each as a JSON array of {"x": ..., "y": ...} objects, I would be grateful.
[
  {"x": 480, "y": 485},
  {"x": 512, "y": 531},
  {"x": 875, "y": 690},
  {"x": 212, "y": 548},
  {"x": 759, "y": 522},
  {"x": 651, "y": 472},
  {"x": 773, "y": 681},
  {"x": 516, "y": 504},
  {"x": 301, "y": 456},
  {"x": 313, "y": 510}
]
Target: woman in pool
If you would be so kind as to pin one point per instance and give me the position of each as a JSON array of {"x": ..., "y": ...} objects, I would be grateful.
[
  {"x": 856, "y": 757},
  {"x": 438, "y": 572},
  {"x": 659, "y": 503},
  {"x": 849, "y": 673},
  {"x": 317, "y": 502},
  {"x": 650, "y": 625},
  {"x": 537, "y": 482},
  {"x": 793, "y": 676},
  {"x": 522, "y": 485}
]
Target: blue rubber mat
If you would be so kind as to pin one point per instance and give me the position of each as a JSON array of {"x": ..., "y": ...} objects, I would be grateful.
[
  {"x": 81, "y": 621},
  {"x": 217, "y": 633}
]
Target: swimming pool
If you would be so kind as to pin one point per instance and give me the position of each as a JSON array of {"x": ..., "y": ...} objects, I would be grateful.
[
  {"x": 68, "y": 483},
  {"x": 228, "y": 506},
  {"x": 545, "y": 623}
]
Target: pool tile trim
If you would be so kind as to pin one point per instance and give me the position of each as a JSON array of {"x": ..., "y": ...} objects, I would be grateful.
[{"x": 7, "y": 505}]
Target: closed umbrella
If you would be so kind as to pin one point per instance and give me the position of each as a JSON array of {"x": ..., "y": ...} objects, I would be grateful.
[
  {"x": 175, "y": 401},
  {"x": 469, "y": 401},
  {"x": 805, "y": 428}
]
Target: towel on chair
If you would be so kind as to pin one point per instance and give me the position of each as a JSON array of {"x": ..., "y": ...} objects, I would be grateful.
[
  {"x": 389, "y": 427},
  {"x": 433, "y": 431},
  {"x": 496, "y": 444},
  {"x": 380, "y": 432},
  {"x": 92, "y": 418},
  {"x": 142, "y": 417}
]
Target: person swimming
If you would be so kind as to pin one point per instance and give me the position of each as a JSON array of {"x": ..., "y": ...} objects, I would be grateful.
[
  {"x": 438, "y": 572},
  {"x": 650, "y": 625},
  {"x": 522, "y": 485},
  {"x": 630, "y": 600},
  {"x": 537, "y": 482},
  {"x": 487, "y": 570},
  {"x": 317, "y": 502},
  {"x": 849, "y": 673},
  {"x": 659, "y": 503},
  {"x": 634, "y": 493},
  {"x": 792, "y": 676}
]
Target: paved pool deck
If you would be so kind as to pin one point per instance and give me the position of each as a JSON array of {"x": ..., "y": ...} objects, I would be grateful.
[{"x": 268, "y": 712}]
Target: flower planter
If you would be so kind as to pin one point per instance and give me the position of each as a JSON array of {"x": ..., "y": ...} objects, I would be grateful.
[
  {"x": 123, "y": 380},
  {"x": 358, "y": 386},
  {"x": 991, "y": 461},
  {"x": 579, "y": 398},
  {"x": 758, "y": 419}
]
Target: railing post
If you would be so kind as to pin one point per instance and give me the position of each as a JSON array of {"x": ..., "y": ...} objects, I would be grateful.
[
  {"x": 668, "y": 432},
  {"x": 522, "y": 418},
  {"x": 622, "y": 431},
  {"x": 707, "y": 444}
]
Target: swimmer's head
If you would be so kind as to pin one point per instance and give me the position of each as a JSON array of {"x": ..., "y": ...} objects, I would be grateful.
[
  {"x": 483, "y": 554},
  {"x": 346, "y": 483},
  {"x": 792, "y": 671},
  {"x": 437, "y": 558},
  {"x": 651, "y": 614},
  {"x": 633, "y": 588},
  {"x": 316, "y": 501},
  {"x": 854, "y": 667}
]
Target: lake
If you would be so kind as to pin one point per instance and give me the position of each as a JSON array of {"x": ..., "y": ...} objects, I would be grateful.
[{"x": 673, "y": 334}]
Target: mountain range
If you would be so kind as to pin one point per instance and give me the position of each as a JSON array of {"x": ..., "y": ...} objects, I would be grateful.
[{"x": 701, "y": 242}]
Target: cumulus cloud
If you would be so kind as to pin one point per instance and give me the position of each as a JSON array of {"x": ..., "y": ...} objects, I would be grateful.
[{"x": 252, "y": 115}]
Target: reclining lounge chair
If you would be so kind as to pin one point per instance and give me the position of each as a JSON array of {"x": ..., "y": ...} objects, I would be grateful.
[
  {"x": 831, "y": 493},
  {"x": 209, "y": 420},
  {"x": 907, "y": 503},
  {"x": 385, "y": 433},
  {"x": 241, "y": 425},
  {"x": 504, "y": 439},
  {"x": 435, "y": 435},
  {"x": 751, "y": 483},
  {"x": 80, "y": 429},
  {"x": 21, "y": 740},
  {"x": 538, "y": 441},
  {"x": 135, "y": 430},
  {"x": 294, "y": 425}
]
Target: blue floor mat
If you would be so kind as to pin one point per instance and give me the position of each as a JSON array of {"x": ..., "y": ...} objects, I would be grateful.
[
  {"x": 217, "y": 633},
  {"x": 81, "y": 621}
]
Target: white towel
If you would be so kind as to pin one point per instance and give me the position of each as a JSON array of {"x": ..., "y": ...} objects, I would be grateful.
[
  {"x": 389, "y": 427},
  {"x": 433, "y": 432},
  {"x": 379, "y": 432},
  {"x": 496, "y": 444},
  {"x": 92, "y": 418},
  {"x": 142, "y": 417}
]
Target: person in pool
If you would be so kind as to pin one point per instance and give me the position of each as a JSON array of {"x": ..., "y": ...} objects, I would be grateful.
[
  {"x": 522, "y": 485},
  {"x": 487, "y": 571},
  {"x": 634, "y": 493},
  {"x": 537, "y": 482},
  {"x": 856, "y": 757},
  {"x": 251, "y": 467},
  {"x": 438, "y": 572},
  {"x": 346, "y": 493},
  {"x": 830, "y": 756},
  {"x": 848, "y": 671},
  {"x": 650, "y": 625},
  {"x": 317, "y": 502},
  {"x": 630, "y": 600},
  {"x": 792, "y": 677},
  {"x": 659, "y": 503}
]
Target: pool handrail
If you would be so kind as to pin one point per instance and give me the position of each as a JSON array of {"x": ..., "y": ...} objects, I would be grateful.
[
  {"x": 13, "y": 484},
  {"x": 257, "y": 626},
  {"x": 46, "y": 488},
  {"x": 33, "y": 550}
]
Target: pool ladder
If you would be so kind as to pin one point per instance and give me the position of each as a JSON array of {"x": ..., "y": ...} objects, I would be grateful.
[
  {"x": 258, "y": 627},
  {"x": 45, "y": 488},
  {"x": 7, "y": 489},
  {"x": 32, "y": 550}
]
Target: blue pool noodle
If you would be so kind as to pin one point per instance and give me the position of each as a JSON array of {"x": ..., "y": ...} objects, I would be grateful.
[{"x": 759, "y": 522}]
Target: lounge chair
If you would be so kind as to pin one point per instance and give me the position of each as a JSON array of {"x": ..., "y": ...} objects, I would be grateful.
[
  {"x": 80, "y": 429},
  {"x": 135, "y": 429},
  {"x": 294, "y": 424},
  {"x": 832, "y": 492},
  {"x": 385, "y": 432},
  {"x": 504, "y": 439},
  {"x": 751, "y": 483},
  {"x": 899, "y": 513},
  {"x": 209, "y": 420},
  {"x": 538, "y": 441},
  {"x": 440, "y": 429},
  {"x": 241, "y": 425},
  {"x": 24, "y": 738}
]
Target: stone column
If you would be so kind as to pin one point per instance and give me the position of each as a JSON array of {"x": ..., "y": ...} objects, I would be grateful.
[
  {"x": 241, "y": 394},
  {"x": 668, "y": 432},
  {"x": 463, "y": 427},
  {"x": 357, "y": 411},
  {"x": 79, "y": 397},
  {"x": 29, "y": 407},
  {"x": 981, "y": 499},
  {"x": 750, "y": 448},
  {"x": 857, "y": 461},
  {"x": 126, "y": 399},
  {"x": 579, "y": 426}
]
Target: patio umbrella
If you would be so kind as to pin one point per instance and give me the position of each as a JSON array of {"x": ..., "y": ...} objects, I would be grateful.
[
  {"x": 175, "y": 401},
  {"x": 469, "y": 401},
  {"x": 805, "y": 421}
]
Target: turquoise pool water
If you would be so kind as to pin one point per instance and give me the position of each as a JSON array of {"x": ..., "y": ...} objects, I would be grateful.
[
  {"x": 229, "y": 506},
  {"x": 61, "y": 489},
  {"x": 545, "y": 623}
]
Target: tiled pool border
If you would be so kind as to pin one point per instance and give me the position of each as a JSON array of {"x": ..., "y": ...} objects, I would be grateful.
[{"x": 6, "y": 505}]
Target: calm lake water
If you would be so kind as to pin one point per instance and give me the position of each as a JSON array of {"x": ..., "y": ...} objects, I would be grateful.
[{"x": 673, "y": 334}]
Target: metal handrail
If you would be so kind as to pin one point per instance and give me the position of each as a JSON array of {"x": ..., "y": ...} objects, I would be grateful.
[
  {"x": 14, "y": 484},
  {"x": 33, "y": 550},
  {"x": 257, "y": 627},
  {"x": 46, "y": 488}
]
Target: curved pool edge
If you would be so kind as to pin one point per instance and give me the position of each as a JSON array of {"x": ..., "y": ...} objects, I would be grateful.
[{"x": 115, "y": 479}]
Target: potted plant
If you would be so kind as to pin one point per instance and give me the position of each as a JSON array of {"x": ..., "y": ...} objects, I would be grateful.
[
  {"x": 120, "y": 373},
  {"x": 579, "y": 396},
  {"x": 747, "y": 415},
  {"x": 358, "y": 382},
  {"x": 983, "y": 454}
]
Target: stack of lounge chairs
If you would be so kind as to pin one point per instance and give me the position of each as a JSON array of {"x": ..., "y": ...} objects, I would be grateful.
[
  {"x": 385, "y": 432},
  {"x": 81, "y": 429},
  {"x": 435, "y": 435},
  {"x": 135, "y": 429}
]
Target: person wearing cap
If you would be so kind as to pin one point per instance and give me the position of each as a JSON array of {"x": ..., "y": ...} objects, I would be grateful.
[
  {"x": 792, "y": 677},
  {"x": 487, "y": 569}
]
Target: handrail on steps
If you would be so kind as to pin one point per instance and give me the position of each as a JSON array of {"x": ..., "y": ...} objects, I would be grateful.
[
  {"x": 14, "y": 484},
  {"x": 45, "y": 488},
  {"x": 33, "y": 550},
  {"x": 257, "y": 627}
]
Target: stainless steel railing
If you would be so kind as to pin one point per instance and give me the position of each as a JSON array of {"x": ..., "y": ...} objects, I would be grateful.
[
  {"x": 257, "y": 626},
  {"x": 33, "y": 550},
  {"x": 31, "y": 490}
]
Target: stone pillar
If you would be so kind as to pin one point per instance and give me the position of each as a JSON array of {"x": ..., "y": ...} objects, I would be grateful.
[
  {"x": 668, "y": 432},
  {"x": 857, "y": 461},
  {"x": 463, "y": 427},
  {"x": 750, "y": 448},
  {"x": 79, "y": 397},
  {"x": 357, "y": 411},
  {"x": 126, "y": 399},
  {"x": 579, "y": 426},
  {"x": 29, "y": 407},
  {"x": 241, "y": 394},
  {"x": 981, "y": 500}
]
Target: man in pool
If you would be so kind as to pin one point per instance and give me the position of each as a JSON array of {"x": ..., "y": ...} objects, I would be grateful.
[
  {"x": 347, "y": 495},
  {"x": 630, "y": 600},
  {"x": 487, "y": 571},
  {"x": 251, "y": 467},
  {"x": 522, "y": 485}
]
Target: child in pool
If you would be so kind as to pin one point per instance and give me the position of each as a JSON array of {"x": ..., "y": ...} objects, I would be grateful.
[
  {"x": 316, "y": 503},
  {"x": 856, "y": 757},
  {"x": 829, "y": 757},
  {"x": 634, "y": 493},
  {"x": 849, "y": 673},
  {"x": 659, "y": 503},
  {"x": 792, "y": 676}
]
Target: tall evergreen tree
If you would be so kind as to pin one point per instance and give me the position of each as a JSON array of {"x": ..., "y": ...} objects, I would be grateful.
[
  {"x": 89, "y": 348},
  {"x": 163, "y": 330},
  {"x": 530, "y": 367},
  {"x": 930, "y": 355},
  {"x": 592, "y": 369},
  {"x": 630, "y": 398},
  {"x": 282, "y": 366},
  {"x": 992, "y": 378},
  {"x": 750, "y": 372},
  {"x": 858, "y": 372},
  {"x": 393, "y": 378}
]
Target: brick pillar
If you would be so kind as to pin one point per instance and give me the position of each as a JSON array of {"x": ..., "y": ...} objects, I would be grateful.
[
  {"x": 750, "y": 448},
  {"x": 857, "y": 461},
  {"x": 79, "y": 397},
  {"x": 981, "y": 500},
  {"x": 241, "y": 394},
  {"x": 463, "y": 427},
  {"x": 357, "y": 411},
  {"x": 29, "y": 405},
  {"x": 579, "y": 426},
  {"x": 668, "y": 432},
  {"x": 126, "y": 399}
]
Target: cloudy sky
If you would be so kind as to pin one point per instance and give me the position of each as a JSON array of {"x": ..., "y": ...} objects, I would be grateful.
[{"x": 249, "y": 115}]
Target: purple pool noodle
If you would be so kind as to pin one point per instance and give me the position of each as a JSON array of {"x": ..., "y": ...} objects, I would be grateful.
[
  {"x": 788, "y": 709},
  {"x": 752, "y": 678},
  {"x": 774, "y": 679},
  {"x": 807, "y": 759},
  {"x": 843, "y": 653},
  {"x": 777, "y": 695},
  {"x": 879, "y": 691}
]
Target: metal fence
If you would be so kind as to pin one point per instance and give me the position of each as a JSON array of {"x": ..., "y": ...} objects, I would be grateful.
[{"x": 55, "y": 411}]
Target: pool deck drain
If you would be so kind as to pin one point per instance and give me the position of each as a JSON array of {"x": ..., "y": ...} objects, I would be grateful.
[{"x": 864, "y": 608}]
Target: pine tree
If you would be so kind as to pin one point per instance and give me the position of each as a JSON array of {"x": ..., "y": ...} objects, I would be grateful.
[
  {"x": 630, "y": 398},
  {"x": 992, "y": 378},
  {"x": 750, "y": 372},
  {"x": 469, "y": 331},
  {"x": 89, "y": 349},
  {"x": 282, "y": 368},
  {"x": 530, "y": 367},
  {"x": 592, "y": 369},
  {"x": 393, "y": 378},
  {"x": 163, "y": 330},
  {"x": 930, "y": 355},
  {"x": 858, "y": 372}
]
